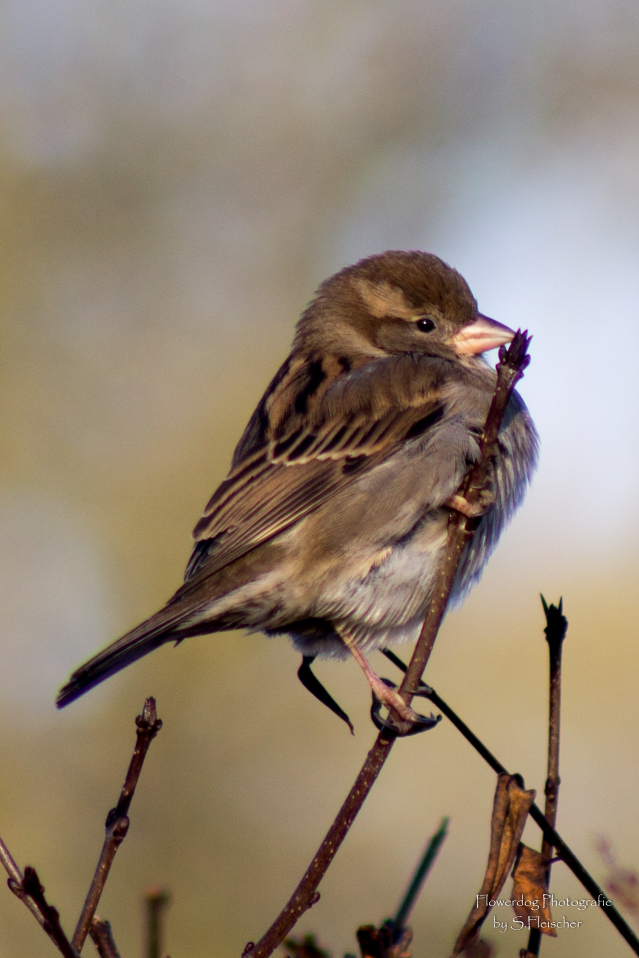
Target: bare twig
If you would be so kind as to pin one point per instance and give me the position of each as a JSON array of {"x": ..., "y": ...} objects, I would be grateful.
[
  {"x": 33, "y": 888},
  {"x": 556, "y": 626},
  {"x": 102, "y": 938},
  {"x": 555, "y": 839},
  {"x": 510, "y": 368},
  {"x": 398, "y": 923},
  {"x": 156, "y": 900},
  {"x": 306, "y": 895},
  {"x": 9, "y": 865},
  {"x": 30, "y": 891},
  {"x": 15, "y": 883},
  {"x": 117, "y": 823},
  {"x": 394, "y": 937}
]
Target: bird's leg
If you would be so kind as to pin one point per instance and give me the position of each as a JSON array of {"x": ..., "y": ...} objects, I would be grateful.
[
  {"x": 471, "y": 509},
  {"x": 389, "y": 697}
]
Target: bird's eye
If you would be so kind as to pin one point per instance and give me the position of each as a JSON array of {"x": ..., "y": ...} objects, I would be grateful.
[{"x": 425, "y": 325}]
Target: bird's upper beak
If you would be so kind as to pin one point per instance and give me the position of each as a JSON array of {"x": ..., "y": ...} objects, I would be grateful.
[{"x": 480, "y": 335}]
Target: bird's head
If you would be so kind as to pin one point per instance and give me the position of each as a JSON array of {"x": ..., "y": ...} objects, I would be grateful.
[{"x": 398, "y": 302}]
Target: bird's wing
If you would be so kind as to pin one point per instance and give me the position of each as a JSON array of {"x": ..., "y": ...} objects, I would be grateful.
[{"x": 315, "y": 452}]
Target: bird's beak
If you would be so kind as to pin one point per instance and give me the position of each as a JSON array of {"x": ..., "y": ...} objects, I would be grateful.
[{"x": 481, "y": 335}]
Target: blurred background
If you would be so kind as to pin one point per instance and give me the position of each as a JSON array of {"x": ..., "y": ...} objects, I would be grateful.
[{"x": 176, "y": 179}]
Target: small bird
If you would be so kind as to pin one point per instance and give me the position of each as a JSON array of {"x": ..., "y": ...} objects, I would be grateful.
[{"x": 332, "y": 522}]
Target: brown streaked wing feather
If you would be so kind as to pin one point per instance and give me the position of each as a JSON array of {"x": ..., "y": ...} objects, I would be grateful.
[{"x": 317, "y": 456}]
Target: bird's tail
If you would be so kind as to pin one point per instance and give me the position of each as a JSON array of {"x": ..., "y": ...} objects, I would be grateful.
[{"x": 160, "y": 628}]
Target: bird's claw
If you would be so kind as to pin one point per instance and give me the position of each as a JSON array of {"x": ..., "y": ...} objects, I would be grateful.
[
  {"x": 398, "y": 725},
  {"x": 310, "y": 682}
]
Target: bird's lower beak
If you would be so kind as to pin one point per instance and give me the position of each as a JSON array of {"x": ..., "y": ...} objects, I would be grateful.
[{"x": 481, "y": 335}]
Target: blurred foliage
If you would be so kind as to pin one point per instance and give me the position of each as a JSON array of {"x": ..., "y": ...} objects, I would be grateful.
[{"x": 176, "y": 179}]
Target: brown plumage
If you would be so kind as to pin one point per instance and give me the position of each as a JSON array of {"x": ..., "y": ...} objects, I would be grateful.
[{"x": 332, "y": 520}]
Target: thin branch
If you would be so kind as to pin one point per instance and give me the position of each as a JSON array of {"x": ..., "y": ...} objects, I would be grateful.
[
  {"x": 556, "y": 626},
  {"x": 15, "y": 883},
  {"x": 30, "y": 891},
  {"x": 9, "y": 865},
  {"x": 399, "y": 922},
  {"x": 102, "y": 938},
  {"x": 555, "y": 839},
  {"x": 115, "y": 835},
  {"x": 33, "y": 888},
  {"x": 578, "y": 870},
  {"x": 156, "y": 900},
  {"x": 117, "y": 823},
  {"x": 510, "y": 368},
  {"x": 306, "y": 894}
]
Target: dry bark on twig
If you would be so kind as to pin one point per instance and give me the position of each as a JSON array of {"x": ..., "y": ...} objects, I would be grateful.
[
  {"x": 555, "y": 631},
  {"x": 117, "y": 823},
  {"x": 29, "y": 888},
  {"x": 32, "y": 887}
]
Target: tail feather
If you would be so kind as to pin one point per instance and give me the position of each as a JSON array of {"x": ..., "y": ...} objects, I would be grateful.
[{"x": 150, "y": 635}]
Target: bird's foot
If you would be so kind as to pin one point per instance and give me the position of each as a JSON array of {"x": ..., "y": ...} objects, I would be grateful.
[
  {"x": 471, "y": 509},
  {"x": 389, "y": 697},
  {"x": 402, "y": 719},
  {"x": 404, "y": 722}
]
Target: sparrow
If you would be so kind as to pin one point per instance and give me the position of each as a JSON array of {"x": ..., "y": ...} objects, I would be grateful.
[{"x": 332, "y": 521}]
